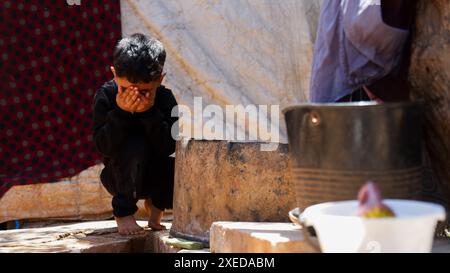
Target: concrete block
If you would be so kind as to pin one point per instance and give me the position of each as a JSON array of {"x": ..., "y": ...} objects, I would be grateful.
[
  {"x": 252, "y": 237},
  {"x": 226, "y": 181}
]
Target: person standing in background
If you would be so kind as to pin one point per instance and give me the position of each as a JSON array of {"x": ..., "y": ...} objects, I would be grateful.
[{"x": 361, "y": 51}]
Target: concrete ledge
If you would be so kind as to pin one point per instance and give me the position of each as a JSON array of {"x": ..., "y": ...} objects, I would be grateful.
[
  {"x": 92, "y": 236},
  {"x": 248, "y": 237},
  {"x": 102, "y": 237},
  {"x": 85, "y": 237},
  {"x": 159, "y": 246}
]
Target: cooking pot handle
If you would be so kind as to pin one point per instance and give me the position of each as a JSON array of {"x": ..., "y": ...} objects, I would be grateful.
[{"x": 296, "y": 218}]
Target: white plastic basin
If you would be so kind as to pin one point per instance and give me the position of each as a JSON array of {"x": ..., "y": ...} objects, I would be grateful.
[{"x": 340, "y": 230}]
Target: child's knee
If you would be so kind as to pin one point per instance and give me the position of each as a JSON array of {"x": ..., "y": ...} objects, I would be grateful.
[{"x": 135, "y": 150}]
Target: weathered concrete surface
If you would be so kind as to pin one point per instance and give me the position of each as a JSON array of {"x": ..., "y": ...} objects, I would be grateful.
[
  {"x": 80, "y": 197},
  {"x": 430, "y": 79},
  {"x": 102, "y": 237},
  {"x": 223, "y": 181},
  {"x": 85, "y": 237},
  {"x": 95, "y": 236},
  {"x": 246, "y": 237},
  {"x": 231, "y": 237},
  {"x": 155, "y": 243}
]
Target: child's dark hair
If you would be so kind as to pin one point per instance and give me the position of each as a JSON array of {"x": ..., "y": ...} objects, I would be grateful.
[{"x": 139, "y": 58}]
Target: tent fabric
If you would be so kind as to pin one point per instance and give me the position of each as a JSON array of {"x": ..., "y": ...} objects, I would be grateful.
[
  {"x": 54, "y": 55},
  {"x": 256, "y": 52}
]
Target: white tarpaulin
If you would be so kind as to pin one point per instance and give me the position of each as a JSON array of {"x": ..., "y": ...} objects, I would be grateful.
[{"x": 255, "y": 52}]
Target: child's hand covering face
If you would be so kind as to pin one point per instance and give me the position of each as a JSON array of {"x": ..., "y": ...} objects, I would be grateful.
[
  {"x": 128, "y": 99},
  {"x": 136, "y": 97},
  {"x": 146, "y": 101},
  {"x": 131, "y": 100}
]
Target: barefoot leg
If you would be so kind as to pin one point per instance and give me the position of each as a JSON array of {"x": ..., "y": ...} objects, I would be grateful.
[
  {"x": 154, "y": 216},
  {"x": 148, "y": 206},
  {"x": 155, "y": 219}
]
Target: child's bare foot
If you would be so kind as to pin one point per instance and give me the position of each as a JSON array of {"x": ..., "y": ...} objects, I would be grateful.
[
  {"x": 155, "y": 226},
  {"x": 154, "y": 216},
  {"x": 127, "y": 226}
]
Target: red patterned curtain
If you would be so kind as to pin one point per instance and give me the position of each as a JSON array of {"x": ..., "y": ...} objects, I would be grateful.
[{"x": 54, "y": 54}]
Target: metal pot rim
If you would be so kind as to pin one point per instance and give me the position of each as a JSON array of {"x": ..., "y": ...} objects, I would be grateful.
[{"x": 365, "y": 104}]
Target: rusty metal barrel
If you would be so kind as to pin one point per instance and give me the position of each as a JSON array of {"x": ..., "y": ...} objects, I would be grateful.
[
  {"x": 336, "y": 148},
  {"x": 228, "y": 181}
]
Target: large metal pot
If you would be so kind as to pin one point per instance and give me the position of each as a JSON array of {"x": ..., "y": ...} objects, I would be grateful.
[{"x": 336, "y": 148}]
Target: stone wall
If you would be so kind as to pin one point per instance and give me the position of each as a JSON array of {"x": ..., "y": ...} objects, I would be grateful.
[
  {"x": 430, "y": 79},
  {"x": 81, "y": 197}
]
